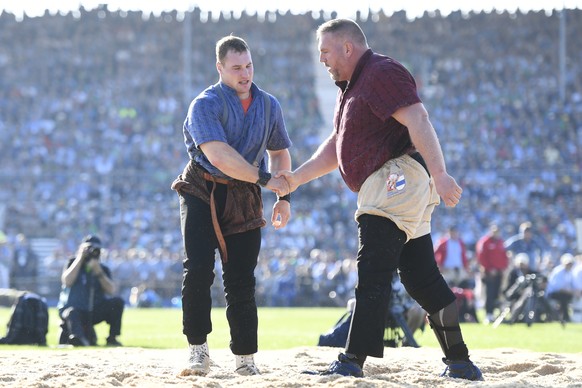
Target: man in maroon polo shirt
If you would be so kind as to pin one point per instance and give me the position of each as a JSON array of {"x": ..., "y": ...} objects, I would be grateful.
[{"x": 381, "y": 129}]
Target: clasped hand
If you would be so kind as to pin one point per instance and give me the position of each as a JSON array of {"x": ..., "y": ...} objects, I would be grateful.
[
  {"x": 279, "y": 185},
  {"x": 290, "y": 178},
  {"x": 283, "y": 182}
]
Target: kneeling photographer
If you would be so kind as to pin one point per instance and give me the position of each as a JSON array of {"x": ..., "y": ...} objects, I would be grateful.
[{"x": 86, "y": 297}]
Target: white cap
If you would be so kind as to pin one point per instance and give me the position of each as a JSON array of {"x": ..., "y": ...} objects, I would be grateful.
[
  {"x": 521, "y": 258},
  {"x": 567, "y": 258}
]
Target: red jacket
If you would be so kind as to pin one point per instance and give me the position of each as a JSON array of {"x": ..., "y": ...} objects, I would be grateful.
[
  {"x": 440, "y": 253},
  {"x": 491, "y": 253}
]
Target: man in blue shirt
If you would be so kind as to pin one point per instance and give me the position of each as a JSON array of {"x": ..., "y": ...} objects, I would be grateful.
[
  {"x": 562, "y": 285},
  {"x": 234, "y": 134},
  {"x": 526, "y": 242}
]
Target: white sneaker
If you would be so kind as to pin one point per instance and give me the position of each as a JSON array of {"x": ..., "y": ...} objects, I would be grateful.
[
  {"x": 199, "y": 360},
  {"x": 245, "y": 365}
]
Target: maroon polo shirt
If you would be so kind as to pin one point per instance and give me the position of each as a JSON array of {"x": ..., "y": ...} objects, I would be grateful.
[{"x": 367, "y": 134}]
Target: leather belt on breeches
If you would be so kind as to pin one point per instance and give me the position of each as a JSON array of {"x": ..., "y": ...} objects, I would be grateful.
[{"x": 215, "y": 224}]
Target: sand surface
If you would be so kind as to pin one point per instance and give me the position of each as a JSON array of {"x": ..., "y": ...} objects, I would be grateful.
[{"x": 400, "y": 367}]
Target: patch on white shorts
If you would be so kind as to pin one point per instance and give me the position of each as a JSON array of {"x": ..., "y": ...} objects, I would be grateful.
[{"x": 395, "y": 183}]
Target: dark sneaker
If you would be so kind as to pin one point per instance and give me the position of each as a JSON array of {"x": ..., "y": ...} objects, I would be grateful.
[
  {"x": 342, "y": 366},
  {"x": 462, "y": 370},
  {"x": 113, "y": 342}
]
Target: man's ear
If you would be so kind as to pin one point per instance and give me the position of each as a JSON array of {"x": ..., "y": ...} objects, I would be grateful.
[{"x": 348, "y": 48}]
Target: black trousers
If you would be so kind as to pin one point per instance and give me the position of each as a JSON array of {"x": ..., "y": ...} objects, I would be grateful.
[
  {"x": 492, "y": 289},
  {"x": 80, "y": 322},
  {"x": 238, "y": 276},
  {"x": 564, "y": 299},
  {"x": 383, "y": 249}
]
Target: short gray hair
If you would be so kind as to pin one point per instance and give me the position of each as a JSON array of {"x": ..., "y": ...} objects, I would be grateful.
[{"x": 343, "y": 27}]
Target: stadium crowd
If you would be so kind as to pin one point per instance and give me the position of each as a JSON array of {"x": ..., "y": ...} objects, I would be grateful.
[{"x": 92, "y": 104}]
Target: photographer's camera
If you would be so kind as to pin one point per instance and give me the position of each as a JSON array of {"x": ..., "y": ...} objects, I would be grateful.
[{"x": 93, "y": 253}]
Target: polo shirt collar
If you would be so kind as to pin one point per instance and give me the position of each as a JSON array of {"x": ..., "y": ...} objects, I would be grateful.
[{"x": 343, "y": 85}]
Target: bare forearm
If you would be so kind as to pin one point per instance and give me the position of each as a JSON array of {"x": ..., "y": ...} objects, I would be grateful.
[
  {"x": 231, "y": 163},
  {"x": 423, "y": 136},
  {"x": 425, "y": 139},
  {"x": 69, "y": 275},
  {"x": 323, "y": 161},
  {"x": 426, "y": 142},
  {"x": 279, "y": 160}
]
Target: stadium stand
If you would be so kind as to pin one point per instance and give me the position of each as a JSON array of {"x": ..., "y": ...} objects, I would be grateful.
[{"x": 92, "y": 105}]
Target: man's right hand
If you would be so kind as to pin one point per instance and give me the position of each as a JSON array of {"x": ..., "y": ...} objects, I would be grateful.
[
  {"x": 279, "y": 185},
  {"x": 290, "y": 178},
  {"x": 82, "y": 253}
]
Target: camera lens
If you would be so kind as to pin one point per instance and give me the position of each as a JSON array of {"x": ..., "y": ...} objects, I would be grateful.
[{"x": 93, "y": 253}]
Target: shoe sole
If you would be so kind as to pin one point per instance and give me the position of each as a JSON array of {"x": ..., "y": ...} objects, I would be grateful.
[
  {"x": 324, "y": 373},
  {"x": 242, "y": 371},
  {"x": 193, "y": 372}
]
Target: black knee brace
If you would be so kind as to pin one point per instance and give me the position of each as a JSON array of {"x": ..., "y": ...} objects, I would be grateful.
[
  {"x": 434, "y": 296},
  {"x": 421, "y": 276}
]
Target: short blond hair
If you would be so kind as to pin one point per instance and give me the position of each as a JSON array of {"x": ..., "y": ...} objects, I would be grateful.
[{"x": 228, "y": 43}]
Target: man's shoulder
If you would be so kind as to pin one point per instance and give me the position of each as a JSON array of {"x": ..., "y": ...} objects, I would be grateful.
[
  {"x": 209, "y": 95},
  {"x": 387, "y": 82},
  {"x": 386, "y": 63},
  {"x": 207, "y": 104},
  {"x": 513, "y": 239}
]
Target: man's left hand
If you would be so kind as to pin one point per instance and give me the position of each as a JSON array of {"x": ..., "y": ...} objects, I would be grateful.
[{"x": 281, "y": 214}]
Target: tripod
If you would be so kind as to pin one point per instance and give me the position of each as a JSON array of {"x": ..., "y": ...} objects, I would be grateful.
[
  {"x": 397, "y": 332},
  {"x": 527, "y": 302}
]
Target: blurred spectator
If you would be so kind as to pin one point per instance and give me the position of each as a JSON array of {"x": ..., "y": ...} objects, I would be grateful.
[
  {"x": 24, "y": 265},
  {"x": 519, "y": 268},
  {"x": 561, "y": 285},
  {"x": 493, "y": 262},
  {"x": 141, "y": 296},
  {"x": 5, "y": 262},
  {"x": 466, "y": 303},
  {"x": 527, "y": 242},
  {"x": 577, "y": 303},
  {"x": 451, "y": 257}
]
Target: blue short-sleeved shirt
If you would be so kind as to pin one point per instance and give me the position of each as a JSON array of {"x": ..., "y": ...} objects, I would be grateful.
[{"x": 243, "y": 132}]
